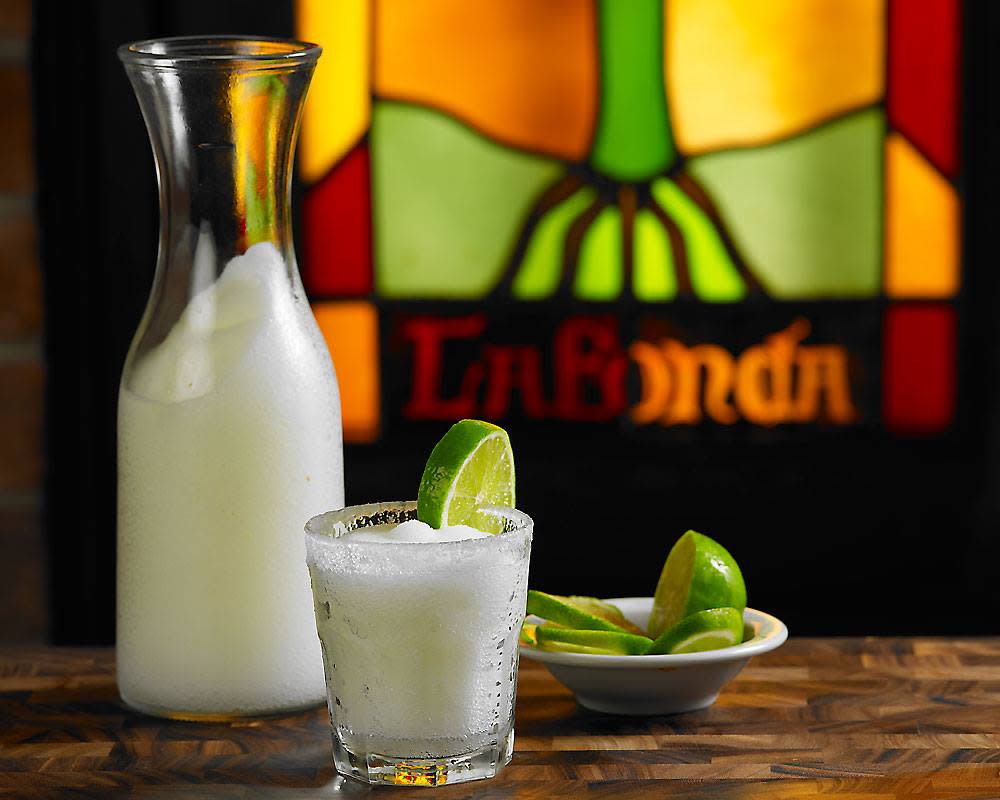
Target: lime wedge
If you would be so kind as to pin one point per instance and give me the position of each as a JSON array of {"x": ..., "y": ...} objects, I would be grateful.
[
  {"x": 698, "y": 574},
  {"x": 528, "y": 634},
  {"x": 471, "y": 466},
  {"x": 550, "y": 637},
  {"x": 562, "y": 647},
  {"x": 711, "y": 629},
  {"x": 603, "y": 610},
  {"x": 573, "y": 613}
]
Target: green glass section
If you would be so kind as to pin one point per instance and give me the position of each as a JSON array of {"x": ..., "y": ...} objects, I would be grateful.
[
  {"x": 599, "y": 266},
  {"x": 539, "y": 271},
  {"x": 713, "y": 275},
  {"x": 633, "y": 140},
  {"x": 447, "y": 203},
  {"x": 261, "y": 207},
  {"x": 653, "y": 277},
  {"x": 259, "y": 212},
  {"x": 806, "y": 213}
]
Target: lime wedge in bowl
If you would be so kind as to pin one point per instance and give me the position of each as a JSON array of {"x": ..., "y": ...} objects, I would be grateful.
[
  {"x": 569, "y": 640},
  {"x": 699, "y": 574},
  {"x": 470, "y": 467},
  {"x": 711, "y": 629},
  {"x": 582, "y": 613}
]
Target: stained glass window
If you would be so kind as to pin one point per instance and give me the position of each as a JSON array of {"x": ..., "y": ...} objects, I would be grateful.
[{"x": 703, "y": 212}]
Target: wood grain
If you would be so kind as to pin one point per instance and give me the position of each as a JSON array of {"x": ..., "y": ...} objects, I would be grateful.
[{"x": 871, "y": 719}]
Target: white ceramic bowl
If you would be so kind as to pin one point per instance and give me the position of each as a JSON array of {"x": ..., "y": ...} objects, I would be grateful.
[{"x": 669, "y": 684}]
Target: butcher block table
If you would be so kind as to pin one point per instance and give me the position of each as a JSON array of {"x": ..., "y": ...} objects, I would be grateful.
[{"x": 853, "y": 718}]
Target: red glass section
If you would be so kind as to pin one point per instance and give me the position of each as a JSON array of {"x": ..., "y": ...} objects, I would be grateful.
[
  {"x": 336, "y": 228},
  {"x": 924, "y": 77},
  {"x": 918, "y": 381},
  {"x": 429, "y": 335}
]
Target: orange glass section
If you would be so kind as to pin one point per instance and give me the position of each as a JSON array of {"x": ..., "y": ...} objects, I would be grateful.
[
  {"x": 351, "y": 333},
  {"x": 921, "y": 227},
  {"x": 523, "y": 72},
  {"x": 743, "y": 72},
  {"x": 338, "y": 104},
  {"x": 779, "y": 381}
]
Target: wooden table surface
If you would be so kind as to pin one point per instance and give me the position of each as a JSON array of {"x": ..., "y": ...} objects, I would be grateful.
[{"x": 864, "y": 719}]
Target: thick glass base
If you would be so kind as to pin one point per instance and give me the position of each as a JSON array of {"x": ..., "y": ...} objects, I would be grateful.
[{"x": 387, "y": 770}]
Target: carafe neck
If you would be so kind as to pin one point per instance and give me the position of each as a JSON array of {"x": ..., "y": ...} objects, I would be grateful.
[{"x": 222, "y": 116}]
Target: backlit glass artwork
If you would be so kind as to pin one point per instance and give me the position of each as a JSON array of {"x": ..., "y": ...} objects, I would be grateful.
[{"x": 654, "y": 214}]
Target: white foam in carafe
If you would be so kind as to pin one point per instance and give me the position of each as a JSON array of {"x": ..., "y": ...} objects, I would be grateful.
[{"x": 229, "y": 440}]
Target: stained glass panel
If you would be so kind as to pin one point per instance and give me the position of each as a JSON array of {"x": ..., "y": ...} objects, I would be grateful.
[{"x": 644, "y": 159}]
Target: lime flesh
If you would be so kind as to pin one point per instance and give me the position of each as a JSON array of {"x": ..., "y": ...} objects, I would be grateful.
[
  {"x": 528, "y": 634},
  {"x": 699, "y": 574}
]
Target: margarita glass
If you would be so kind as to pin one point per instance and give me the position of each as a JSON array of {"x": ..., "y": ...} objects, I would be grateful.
[{"x": 419, "y": 643}]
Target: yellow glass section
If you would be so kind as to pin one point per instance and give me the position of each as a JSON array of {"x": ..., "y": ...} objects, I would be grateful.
[
  {"x": 743, "y": 72},
  {"x": 523, "y": 72},
  {"x": 338, "y": 104},
  {"x": 921, "y": 227},
  {"x": 351, "y": 332}
]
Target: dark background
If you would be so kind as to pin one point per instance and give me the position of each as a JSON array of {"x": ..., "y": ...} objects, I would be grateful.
[{"x": 837, "y": 531}]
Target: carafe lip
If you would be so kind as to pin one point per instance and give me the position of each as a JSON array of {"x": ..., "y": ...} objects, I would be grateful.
[{"x": 220, "y": 51}]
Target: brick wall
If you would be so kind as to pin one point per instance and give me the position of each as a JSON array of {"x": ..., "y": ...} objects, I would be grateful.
[{"x": 23, "y": 611}]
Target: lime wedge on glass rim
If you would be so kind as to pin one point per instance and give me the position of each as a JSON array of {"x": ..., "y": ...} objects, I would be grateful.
[{"x": 470, "y": 467}]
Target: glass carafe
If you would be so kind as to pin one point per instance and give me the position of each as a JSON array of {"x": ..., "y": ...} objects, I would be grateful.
[{"x": 229, "y": 433}]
